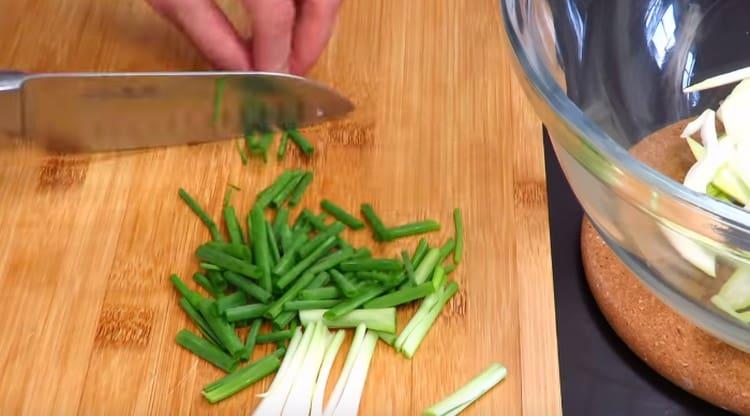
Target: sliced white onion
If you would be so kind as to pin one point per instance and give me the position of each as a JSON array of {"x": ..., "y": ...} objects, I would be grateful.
[
  {"x": 338, "y": 390},
  {"x": 332, "y": 350},
  {"x": 299, "y": 400},
  {"x": 348, "y": 405}
]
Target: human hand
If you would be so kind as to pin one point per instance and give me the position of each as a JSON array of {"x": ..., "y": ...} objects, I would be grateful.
[{"x": 287, "y": 35}]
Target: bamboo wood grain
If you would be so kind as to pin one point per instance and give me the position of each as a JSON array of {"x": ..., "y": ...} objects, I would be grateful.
[{"x": 86, "y": 311}]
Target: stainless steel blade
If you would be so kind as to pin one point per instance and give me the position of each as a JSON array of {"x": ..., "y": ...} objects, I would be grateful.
[{"x": 113, "y": 111}]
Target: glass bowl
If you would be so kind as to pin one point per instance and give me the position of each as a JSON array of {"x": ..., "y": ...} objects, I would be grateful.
[{"x": 604, "y": 74}]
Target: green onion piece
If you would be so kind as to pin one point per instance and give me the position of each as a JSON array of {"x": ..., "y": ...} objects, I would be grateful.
[
  {"x": 427, "y": 265},
  {"x": 227, "y": 262},
  {"x": 408, "y": 266},
  {"x": 239, "y": 251},
  {"x": 277, "y": 306},
  {"x": 248, "y": 287},
  {"x": 341, "y": 215},
  {"x": 273, "y": 245},
  {"x": 450, "y": 268},
  {"x": 252, "y": 334},
  {"x": 281, "y": 219},
  {"x": 343, "y": 244},
  {"x": 284, "y": 318},
  {"x": 268, "y": 194},
  {"x": 233, "y": 225},
  {"x": 402, "y": 296},
  {"x": 458, "y": 221},
  {"x": 217, "y": 281},
  {"x": 362, "y": 253},
  {"x": 241, "y": 151},
  {"x": 415, "y": 338},
  {"x": 378, "y": 228},
  {"x": 218, "y": 99},
  {"x": 386, "y": 337},
  {"x": 209, "y": 266},
  {"x": 318, "y": 222},
  {"x": 469, "y": 393},
  {"x": 331, "y": 261},
  {"x": 380, "y": 277},
  {"x": 274, "y": 336},
  {"x": 305, "y": 304},
  {"x": 198, "y": 210},
  {"x": 252, "y": 311},
  {"x": 376, "y": 319},
  {"x": 438, "y": 277},
  {"x": 229, "y": 301},
  {"x": 290, "y": 256},
  {"x": 287, "y": 190},
  {"x": 285, "y": 234},
  {"x": 379, "y": 265},
  {"x": 192, "y": 296},
  {"x": 305, "y": 263},
  {"x": 346, "y": 286},
  {"x": 319, "y": 239},
  {"x": 351, "y": 304},
  {"x": 420, "y": 252},
  {"x": 205, "y": 284},
  {"x": 447, "y": 249},
  {"x": 224, "y": 332},
  {"x": 321, "y": 293},
  {"x": 199, "y": 321},
  {"x": 242, "y": 378},
  {"x": 300, "y": 190},
  {"x": 265, "y": 142},
  {"x": 301, "y": 142},
  {"x": 261, "y": 250},
  {"x": 414, "y": 228},
  {"x": 283, "y": 144},
  {"x": 320, "y": 280},
  {"x": 205, "y": 350},
  {"x": 252, "y": 142}
]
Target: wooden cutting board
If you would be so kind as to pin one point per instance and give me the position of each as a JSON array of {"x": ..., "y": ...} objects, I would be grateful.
[{"x": 86, "y": 312}]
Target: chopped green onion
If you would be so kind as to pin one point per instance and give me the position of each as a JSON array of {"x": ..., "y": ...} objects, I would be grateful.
[
  {"x": 224, "y": 332},
  {"x": 268, "y": 194},
  {"x": 265, "y": 142},
  {"x": 287, "y": 190},
  {"x": 438, "y": 277},
  {"x": 278, "y": 305},
  {"x": 305, "y": 263},
  {"x": 469, "y": 393},
  {"x": 192, "y": 296},
  {"x": 318, "y": 222},
  {"x": 301, "y": 142},
  {"x": 319, "y": 239},
  {"x": 418, "y": 334},
  {"x": 251, "y": 311},
  {"x": 250, "y": 343},
  {"x": 300, "y": 189},
  {"x": 281, "y": 219},
  {"x": 458, "y": 221},
  {"x": 427, "y": 265},
  {"x": 367, "y": 265},
  {"x": 341, "y": 215},
  {"x": 420, "y": 252},
  {"x": 199, "y": 321},
  {"x": 321, "y": 293},
  {"x": 205, "y": 350},
  {"x": 273, "y": 245},
  {"x": 261, "y": 250},
  {"x": 401, "y": 296},
  {"x": 351, "y": 304},
  {"x": 305, "y": 304},
  {"x": 450, "y": 268},
  {"x": 209, "y": 266},
  {"x": 408, "y": 266},
  {"x": 227, "y": 262},
  {"x": 241, "y": 151},
  {"x": 380, "y": 277},
  {"x": 239, "y": 251},
  {"x": 346, "y": 286},
  {"x": 447, "y": 249},
  {"x": 204, "y": 283},
  {"x": 285, "y": 234},
  {"x": 217, "y": 281},
  {"x": 283, "y": 319},
  {"x": 290, "y": 256},
  {"x": 233, "y": 225},
  {"x": 362, "y": 253},
  {"x": 198, "y": 210},
  {"x": 410, "y": 229},
  {"x": 386, "y": 337},
  {"x": 283, "y": 143},
  {"x": 378, "y": 228},
  {"x": 320, "y": 280},
  {"x": 248, "y": 287},
  {"x": 274, "y": 337},
  {"x": 229, "y": 301},
  {"x": 331, "y": 261},
  {"x": 375, "y": 319},
  {"x": 242, "y": 378}
]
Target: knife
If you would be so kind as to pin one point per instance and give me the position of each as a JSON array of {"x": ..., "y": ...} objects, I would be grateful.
[{"x": 85, "y": 112}]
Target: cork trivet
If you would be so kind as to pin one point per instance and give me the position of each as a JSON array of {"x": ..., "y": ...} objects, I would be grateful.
[{"x": 678, "y": 350}]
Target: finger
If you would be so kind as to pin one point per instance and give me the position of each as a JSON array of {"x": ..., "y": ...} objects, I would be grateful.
[
  {"x": 272, "y": 24},
  {"x": 209, "y": 29},
  {"x": 315, "y": 22}
]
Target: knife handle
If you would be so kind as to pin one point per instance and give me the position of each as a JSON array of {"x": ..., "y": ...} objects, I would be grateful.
[{"x": 10, "y": 102}]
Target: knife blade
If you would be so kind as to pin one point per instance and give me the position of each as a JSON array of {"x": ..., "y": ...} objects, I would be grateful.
[{"x": 84, "y": 112}]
